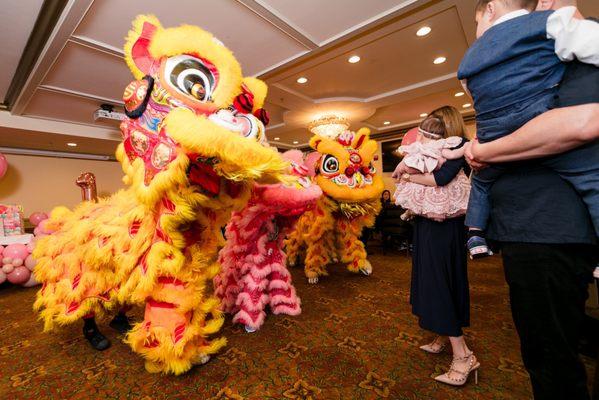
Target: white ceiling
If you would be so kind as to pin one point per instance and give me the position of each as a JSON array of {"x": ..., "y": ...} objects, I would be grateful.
[
  {"x": 16, "y": 24},
  {"x": 81, "y": 67},
  {"x": 324, "y": 21}
]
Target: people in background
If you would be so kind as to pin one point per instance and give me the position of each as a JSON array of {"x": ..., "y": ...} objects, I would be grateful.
[
  {"x": 513, "y": 71},
  {"x": 439, "y": 291},
  {"x": 386, "y": 198},
  {"x": 546, "y": 235}
]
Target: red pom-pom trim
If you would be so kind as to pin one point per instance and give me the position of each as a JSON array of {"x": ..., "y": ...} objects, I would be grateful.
[{"x": 262, "y": 115}]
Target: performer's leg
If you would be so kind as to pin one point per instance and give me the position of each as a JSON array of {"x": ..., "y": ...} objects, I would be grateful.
[
  {"x": 93, "y": 334},
  {"x": 293, "y": 244},
  {"x": 351, "y": 248},
  {"x": 121, "y": 322},
  {"x": 179, "y": 317},
  {"x": 316, "y": 260}
]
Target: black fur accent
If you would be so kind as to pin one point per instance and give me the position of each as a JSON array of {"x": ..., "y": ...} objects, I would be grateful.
[{"x": 134, "y": 114}]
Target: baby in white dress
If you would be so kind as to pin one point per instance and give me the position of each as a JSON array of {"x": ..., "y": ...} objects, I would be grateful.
[{"x": 425, "y": 156}]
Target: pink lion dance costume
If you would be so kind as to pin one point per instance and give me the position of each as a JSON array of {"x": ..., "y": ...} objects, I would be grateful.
[{"x": 253, "y": 272}]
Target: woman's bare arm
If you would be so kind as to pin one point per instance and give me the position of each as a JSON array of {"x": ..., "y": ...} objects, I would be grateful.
[
  {"x": 422, "y": 179},
  {"x": 553, "y": 132}
]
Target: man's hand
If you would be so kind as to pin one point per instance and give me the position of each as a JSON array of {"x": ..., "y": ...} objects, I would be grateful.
[{"x": 470, "y": 149}]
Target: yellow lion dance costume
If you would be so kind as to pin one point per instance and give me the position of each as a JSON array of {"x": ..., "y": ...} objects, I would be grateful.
[
  {"x": 191, "y": 152},
  {"x": 351, "y": 201}
]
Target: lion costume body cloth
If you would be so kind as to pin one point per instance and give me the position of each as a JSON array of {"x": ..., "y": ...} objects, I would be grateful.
[
  {"x": 191, "y": 153},
  {"x": 254, "y": 274},
  {"x": 351, "y": 201}
]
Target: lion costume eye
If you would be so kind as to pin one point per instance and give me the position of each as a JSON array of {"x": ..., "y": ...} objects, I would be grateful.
[
  {"x": 330, "y": 164},
  {"x": 189, "y": 76}
]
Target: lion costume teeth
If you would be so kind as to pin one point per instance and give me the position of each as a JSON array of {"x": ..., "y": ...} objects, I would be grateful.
[
  {"x": 155, "y": 243},
  {"x": 352, "y": 189}
]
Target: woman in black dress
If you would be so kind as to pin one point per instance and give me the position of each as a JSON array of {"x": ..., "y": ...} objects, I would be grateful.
[{"x": 439, "y": 291}]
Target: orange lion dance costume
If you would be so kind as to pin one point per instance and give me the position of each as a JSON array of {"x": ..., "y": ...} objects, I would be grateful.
[
  {"x": 351, "y": 201},
  {"x": 191, "y": 153}
]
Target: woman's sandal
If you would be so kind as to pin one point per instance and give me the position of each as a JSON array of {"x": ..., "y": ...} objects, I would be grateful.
[
  {"x": 473, "y": 366},
  {"x": 434, "y": 347}
]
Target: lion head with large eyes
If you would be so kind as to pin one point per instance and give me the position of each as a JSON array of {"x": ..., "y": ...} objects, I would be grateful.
[
  {"x": 192, "y": 116},
  {"x": 345, "y": 170}
]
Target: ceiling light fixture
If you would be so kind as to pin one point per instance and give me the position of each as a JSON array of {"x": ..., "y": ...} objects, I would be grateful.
[
  {"x": 295, "y": 142},
  {"x": 277, "y": 138},
  {"x": 423, "y": 115},
  {"x": 353, "y": 59},
  {"x": 439, "y": 60},
  {"x": 329, "y": 126},
  {"x": 72, "y": 144},
  {"x": 459, "y": 94},
  {"x": 467, "y": 105},
  {"x": 425, "y": 30},
  {"x": 302, "y": 79},
  {"x": 386, "y": 122}
]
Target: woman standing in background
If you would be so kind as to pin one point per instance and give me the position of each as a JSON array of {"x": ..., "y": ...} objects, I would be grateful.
[{"x": 439, "y": 291}]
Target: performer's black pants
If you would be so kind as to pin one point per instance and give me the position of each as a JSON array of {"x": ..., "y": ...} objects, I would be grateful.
[{"x": 548, "y": 289}]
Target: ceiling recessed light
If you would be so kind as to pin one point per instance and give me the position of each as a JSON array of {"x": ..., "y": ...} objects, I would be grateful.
[
  {"x": 386, "y": 122},
  {"x": 439, "y": 60},
  {"x": 423, "y": 115},
  {"x": 459, "y": 94},
  {"x": 295, "y": 142},
  {"x": 467, "y": 105},
  {"x": 277, "y": 138},
  {"x": 72, "y": 144},
  {"x": 425, "y": 30},
  {"x": 302, "y": 79},
  {"x": 353, "y": 59}
]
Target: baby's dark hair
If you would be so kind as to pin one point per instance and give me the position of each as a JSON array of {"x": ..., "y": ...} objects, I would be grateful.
[
  {"x": 432, "y": 127},
  {"x": 529, "y": 5}
]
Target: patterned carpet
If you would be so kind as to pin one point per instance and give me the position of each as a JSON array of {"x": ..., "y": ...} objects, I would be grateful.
[{"x": 356, "y": 339}]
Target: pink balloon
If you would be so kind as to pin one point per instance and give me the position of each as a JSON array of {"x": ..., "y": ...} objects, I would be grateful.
[
  {"x": 7, "y": 260},
  {"x": 37, "y": 230},
  {"x": 410, "y": 137},
  {"x": 43, "y": 227},
  {"x": 8, "y": 268},
  {"x": 30, "y": 262},
  {"x": 37, "y": 217},
  {"x": 2, "y": 276},
  {"x": 16, "y": 250},
  {"x": 30, "y": 246},
  {"x": 19, "y": 275},
  {"x": 17, "y": 262},
  {"x": 1, "y": 250},
  {"x": 31, "y": 282},
  {"x": 3, "y": 165}
]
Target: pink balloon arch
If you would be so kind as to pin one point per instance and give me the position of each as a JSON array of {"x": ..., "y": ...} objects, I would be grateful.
[{"x": 16, "y": 261}]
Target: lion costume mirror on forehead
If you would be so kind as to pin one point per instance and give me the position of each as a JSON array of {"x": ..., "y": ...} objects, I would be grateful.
[{"x": 192, "y": 150}]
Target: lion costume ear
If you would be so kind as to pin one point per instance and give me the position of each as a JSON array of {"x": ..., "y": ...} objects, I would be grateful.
[
  {"x": 258, "y": 90},
  {"x": 137, "y": 54},
  {"x": 361, "y": 137}
]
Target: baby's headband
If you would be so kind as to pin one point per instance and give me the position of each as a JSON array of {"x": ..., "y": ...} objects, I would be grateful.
[{"x": 428, "y": 134}]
